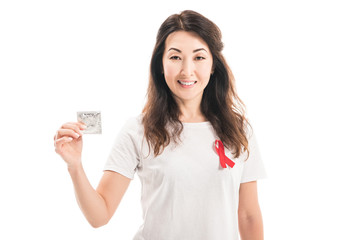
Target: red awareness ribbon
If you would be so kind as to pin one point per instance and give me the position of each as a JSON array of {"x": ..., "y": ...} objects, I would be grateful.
[{"x": 221, "y": 152}]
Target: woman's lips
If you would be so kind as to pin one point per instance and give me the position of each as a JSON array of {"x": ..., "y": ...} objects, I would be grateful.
[{"x": 187, "y": 84}]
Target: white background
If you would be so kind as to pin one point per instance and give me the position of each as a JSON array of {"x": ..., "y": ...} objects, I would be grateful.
[{"x": 297, "y": 68}]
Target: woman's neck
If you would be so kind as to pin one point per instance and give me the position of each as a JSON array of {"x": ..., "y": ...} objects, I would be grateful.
[
  {"x": 192, "y": 116},
  {"x": 190, "y": 110}
]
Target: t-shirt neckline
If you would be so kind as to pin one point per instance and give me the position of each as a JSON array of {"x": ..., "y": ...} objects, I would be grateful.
[{"x": 196, "y": 124}]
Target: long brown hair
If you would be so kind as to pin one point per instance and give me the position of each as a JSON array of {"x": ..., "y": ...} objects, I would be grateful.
[{"x": 220, "y": 103}]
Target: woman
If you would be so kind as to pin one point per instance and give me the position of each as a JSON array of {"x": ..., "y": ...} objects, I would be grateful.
[{"x": 188, "y": 146}]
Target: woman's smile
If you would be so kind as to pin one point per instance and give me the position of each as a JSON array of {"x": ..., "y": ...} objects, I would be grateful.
[{"x": 187, "y": 84}]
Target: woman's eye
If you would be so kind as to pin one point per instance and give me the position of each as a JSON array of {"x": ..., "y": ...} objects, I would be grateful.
[
  {"x": 175, "y": 57},
  {"x": 200, "y": 58}
]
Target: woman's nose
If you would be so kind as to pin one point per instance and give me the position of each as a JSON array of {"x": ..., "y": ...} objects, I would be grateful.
[{"x": 187, "y": 68}]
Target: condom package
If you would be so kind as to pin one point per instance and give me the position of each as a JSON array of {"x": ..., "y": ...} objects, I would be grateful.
[{"x": 92, "y": 120}]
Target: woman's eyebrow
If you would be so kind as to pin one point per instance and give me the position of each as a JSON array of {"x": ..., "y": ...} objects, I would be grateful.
[{"x": 196, "y": 50}]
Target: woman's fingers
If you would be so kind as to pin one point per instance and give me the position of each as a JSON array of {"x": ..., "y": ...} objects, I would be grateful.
[
  {"x": 81, "y": 125},
  {"x": 68, "y": 133},
  {"x": 59, "y": 142},
  {"x": 68, "y": 142},
  {"x": 76, "y": 126},
  {"x": 63, "y": 140}
]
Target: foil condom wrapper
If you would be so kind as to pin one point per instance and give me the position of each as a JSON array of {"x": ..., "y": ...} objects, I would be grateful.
[{"x": 92, "y": 120}]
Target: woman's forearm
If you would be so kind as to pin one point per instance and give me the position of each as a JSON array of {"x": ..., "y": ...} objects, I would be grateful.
[
  {"x": 251, "y": 228},
  {"x": 90, "y": 202}
]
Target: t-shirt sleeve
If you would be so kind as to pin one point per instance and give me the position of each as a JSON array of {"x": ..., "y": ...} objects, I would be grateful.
[
  {"x": 124, "y": 155},
  {"x": 254, "y": 168}
]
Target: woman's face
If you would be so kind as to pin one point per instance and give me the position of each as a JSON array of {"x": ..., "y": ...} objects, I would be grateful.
[{"x": 187, "y": 64}]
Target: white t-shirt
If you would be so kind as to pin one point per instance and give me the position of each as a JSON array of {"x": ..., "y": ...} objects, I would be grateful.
[{"x": 186, "y": 194}]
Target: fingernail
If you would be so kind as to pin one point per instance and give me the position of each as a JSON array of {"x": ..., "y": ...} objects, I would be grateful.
[{"x": 77, "y": 135}]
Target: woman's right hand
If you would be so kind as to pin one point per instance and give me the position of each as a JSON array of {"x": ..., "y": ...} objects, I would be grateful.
[{"x": 68, "y": 142}]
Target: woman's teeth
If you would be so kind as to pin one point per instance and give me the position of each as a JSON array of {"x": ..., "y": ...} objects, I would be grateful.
[{"x": 186, "y": 83}]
